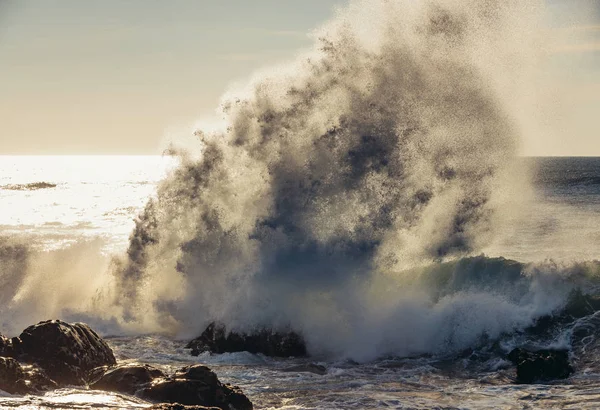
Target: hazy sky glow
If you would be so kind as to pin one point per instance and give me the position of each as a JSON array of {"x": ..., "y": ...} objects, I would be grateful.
[{"x": 117, "y": 76}]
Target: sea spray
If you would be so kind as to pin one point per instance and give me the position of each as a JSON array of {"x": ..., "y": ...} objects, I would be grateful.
[
  {"x": 341, "y": 197},
  {"x": 388, "y": 147}
]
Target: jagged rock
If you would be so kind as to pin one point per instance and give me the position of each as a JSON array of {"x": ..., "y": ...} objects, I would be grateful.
[
  {"x": 12, "y": 376},
  {"x": 196, "y": 385},
  {"x": 66, "y": 352},
  {"x": 216, "y": 339},
  {"x": 177, "y": 406},
  {"x": 307, "y": 368},
  {"x": 18, "y": 379},
  {"x": 192, "y": 386},
  {"x": 7, "y": 348},
  {"x": 60, "y": 353},
  {"x": 4, "y": 346},
  {"x": 540, "y": 365},
  {"x": 127, "y": 378},
  {"x": 95, "y": 374}
]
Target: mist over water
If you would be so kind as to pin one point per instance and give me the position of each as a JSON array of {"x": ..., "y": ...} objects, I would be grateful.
[{"x": 342, "y": 197}]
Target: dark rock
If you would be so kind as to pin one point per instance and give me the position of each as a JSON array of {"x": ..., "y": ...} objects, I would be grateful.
[
  {"x": 236, "y": 398},
  {"x": 12, "y": 376},
  {"x": 67, "y": 352},
  {"x": 60, "y": 354},
  {"x": 190, "y": 386},
  {"x": 127, "y": 378},
  {"x": 6, "y": 346},
  {"x": 307, "y": 368},
  {"x": 216, "y": 339},
  {"x": 18, "y": 379},
  {"x": 177, "y": 406},
  {"x": 197, "y": 372},
  {"x": 196, "y": 385},
  {"x": 182, "y": 391},
  {"x": 540, "y": 365},
  {"x": 96, "y": 373}
]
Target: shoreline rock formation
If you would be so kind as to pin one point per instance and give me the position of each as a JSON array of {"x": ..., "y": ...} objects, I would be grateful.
[
  {"x": 540, "y": 365},
  {"x": 190, "y": 385},
  {"x": 216, "y": 339},
  {"x": 54, "y": 354}
]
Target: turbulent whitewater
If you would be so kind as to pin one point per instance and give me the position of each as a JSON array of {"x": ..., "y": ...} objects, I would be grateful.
[
  {"x": 351, "y": 195},
  {"x": 386, "y": 149}
]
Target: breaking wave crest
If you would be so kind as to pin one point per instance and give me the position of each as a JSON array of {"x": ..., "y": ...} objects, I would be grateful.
[
  {"x": 441, "y": 308},
  {"x": 388, "y": 147}
]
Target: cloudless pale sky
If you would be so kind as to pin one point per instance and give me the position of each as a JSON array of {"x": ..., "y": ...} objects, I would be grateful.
[{"x": 116, "y": 76}]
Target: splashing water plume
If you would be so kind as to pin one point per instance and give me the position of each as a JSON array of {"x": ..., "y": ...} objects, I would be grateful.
[{"x": 336, "y": 178}]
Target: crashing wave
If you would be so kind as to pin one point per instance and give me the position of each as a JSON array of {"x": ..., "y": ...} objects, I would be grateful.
[
  {"x": 387, "y": 148},
  {"x": 344, "y": 198}
]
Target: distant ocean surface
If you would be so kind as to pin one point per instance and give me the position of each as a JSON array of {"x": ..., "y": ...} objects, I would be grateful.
[{"x": 56, "y": 202}]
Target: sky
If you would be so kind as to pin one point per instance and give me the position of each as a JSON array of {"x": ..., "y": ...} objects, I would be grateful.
[{"x": 120, "y": 76}]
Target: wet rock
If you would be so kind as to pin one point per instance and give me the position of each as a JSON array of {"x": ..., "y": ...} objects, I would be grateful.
[
  {"x": 18, "y": 379},
  {"x": 196, "y": 385},
  {"x": 12, "y": 376},
  {"x": 307, "y": 368},
  {"x": 177, "y": 406},
  {"x": 60, "y": 353},
  {"x": 7, "y": 348},
  {"x": 66, "y": 352},
  {"x": 127, "y": 378},
  {"x": 540, "y": 365},
  {"x": 190, "y": 386},
  {"x": 216, "y": 339},
  {"x": 4, "y": 346}
]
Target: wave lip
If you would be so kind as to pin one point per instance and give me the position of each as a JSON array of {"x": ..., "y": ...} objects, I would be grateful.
[{"x": 33, "y": 186}]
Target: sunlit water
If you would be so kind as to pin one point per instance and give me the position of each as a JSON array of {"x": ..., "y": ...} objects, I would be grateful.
[
  {"x": 57, "y": 200},
  {"x": 91, "y": 197},
  {"x": 84, "y": 198}
]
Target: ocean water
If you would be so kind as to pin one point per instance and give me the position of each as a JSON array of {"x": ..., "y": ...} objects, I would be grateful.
[
  {"x": 93, "y": 197},
  {"x": 368, "y": 195},
  {"x": 56, "y": 202}
]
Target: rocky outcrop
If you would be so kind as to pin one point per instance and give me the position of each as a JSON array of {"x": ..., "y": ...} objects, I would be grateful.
[
  {"x": 7, "y": 346},
  {"x": 177, "y": 406},
  {"x": 196, "y": 385},
  {"x": 66, "y": 352},
  {"x": 53, "y": 354},
  {"x": 18, "y": 379},
  {"x": 4, "y": 347},
  {"x": 216, "y": 339},
  {"x": 57, "y": 354},
  {"x": 127, "y": 378},
  {"x": 192, "y": 385},
  {"x": 540, "y": 365}
]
